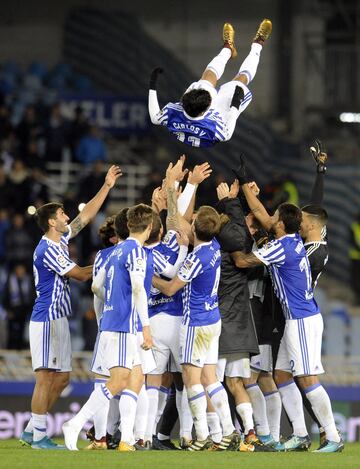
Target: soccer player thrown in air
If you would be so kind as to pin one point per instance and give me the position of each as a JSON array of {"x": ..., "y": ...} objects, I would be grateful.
[
  {"x": 205, "y": 116},
  {"x": 199, "y": 275},
  {"x": 49, "y": 329}
]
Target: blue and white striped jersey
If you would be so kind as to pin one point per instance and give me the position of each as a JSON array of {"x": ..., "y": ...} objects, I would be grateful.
[
  {"x": 291, "y": 275},
  {"x": 201, "y": 271},
  {"x": 101, "y": 258},
  {"x": 203, "y": 131},
  {"x": 51, "y": 263},
  {"x": 119, "y": 314},
  {"x": 168, "y": 249}
]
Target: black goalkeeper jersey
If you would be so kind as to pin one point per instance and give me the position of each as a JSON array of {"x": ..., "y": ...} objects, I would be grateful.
[{"x": 318, "y": 255}]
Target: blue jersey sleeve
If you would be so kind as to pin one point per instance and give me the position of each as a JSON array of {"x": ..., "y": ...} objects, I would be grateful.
[
  {"x": 160, "y": 263},
  {"x": 136, "y": 261},
  {"x": 190, "y": 268},
  {"x": 170, "y": 241},
  {"x": 57, "y": 260},
  {"x": 271, "y": 254}
]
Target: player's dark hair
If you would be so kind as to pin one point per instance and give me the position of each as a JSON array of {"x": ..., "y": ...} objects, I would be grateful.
[
  {"x": 207, "y": 223},
  {"x": 121, "y": 226},
  {"x": 45, "y": 212},
  {"x": 107, "y": 231},
  {"x": 156, "y": 227},
  {"x": 318, "y": 213},
  {"x": 291, "y": 216},
  {"x": 195, "y": 102},
  {"x": 139, "y": 218}
]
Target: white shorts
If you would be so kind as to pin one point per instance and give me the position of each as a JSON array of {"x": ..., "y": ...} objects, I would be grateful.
[
  {"x": 50, "y": 345},
  {"x": 199, "y": 345},
  {"x": 165, "y": 331},
  {"x": 118, "y": 349},
  {"x": 235, "y": 365},
  {"x": 263, "y": 361},
  {"x": 221, "y": 100},
  {"x": 97, "y": 363},
  {"x": 146, "y": 357},
  {"x": 300, "y": 346}
]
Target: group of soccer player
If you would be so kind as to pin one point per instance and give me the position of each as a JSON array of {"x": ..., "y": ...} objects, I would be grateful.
[
  {"x": 185, "y": 301},
  {"x": 163, "y": 307}
]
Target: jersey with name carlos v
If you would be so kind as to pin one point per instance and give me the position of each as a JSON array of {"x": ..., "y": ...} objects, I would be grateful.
[
  {"x": 119, "y": 314},
  {"x": 201, "y": 271},
  {"x": 291, "y": 275},
  {"x": 203, "y": 131},
  {"x": 168, "y": 248},
  {"x": 51, "y": 264}
]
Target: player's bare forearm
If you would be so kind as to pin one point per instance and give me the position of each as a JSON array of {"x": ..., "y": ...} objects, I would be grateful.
[
  {"x": 243, "y": 260},
  {"x": 168, "y": 288},
  {"x": 172, "y": 219},
  {"x": 257, "y": 207},
  {"x": 94, "y": 205},
  {"x": 80, "y": 273}
]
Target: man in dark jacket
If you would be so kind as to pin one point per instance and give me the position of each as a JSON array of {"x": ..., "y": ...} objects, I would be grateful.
[{"x": 238, "y": 336}]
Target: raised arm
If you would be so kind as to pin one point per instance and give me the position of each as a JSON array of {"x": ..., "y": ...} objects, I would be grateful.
[
  {"x": 186, "y": 200},
  {"x": 174, "y": 173},
  {"x": 153, "y": 103},
  {"x": 94, "y": 205},
  {"x": 319, "y": 154}
]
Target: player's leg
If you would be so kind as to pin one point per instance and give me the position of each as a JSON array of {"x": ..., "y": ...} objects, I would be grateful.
[
  {"x": 258, "y": 403},
  {"x": 141, "y": 418},
  {"x": 249, "y": 66},
  {"x": 128, "y": 406},
  {"x": 213, "y": 422},
  {"x": 153, "y": 383},
  {"x": 273, "y": 403},
  {"x": 120, "y": 366},
  {"x": 98, "y": 436},
  {"x": 290, "y": 359},
  {"x": 216, "y": 67},
  {"x": 310, "y": 333}
]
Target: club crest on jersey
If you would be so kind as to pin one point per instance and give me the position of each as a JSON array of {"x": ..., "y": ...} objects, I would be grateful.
[{"x": 61, "y": 260}]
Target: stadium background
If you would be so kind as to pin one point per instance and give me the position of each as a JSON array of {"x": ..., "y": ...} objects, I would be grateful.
[{"x": 73, "y": 89}]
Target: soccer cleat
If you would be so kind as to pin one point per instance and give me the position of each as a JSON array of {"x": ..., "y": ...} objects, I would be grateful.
[
  {"x": 90, "y": 434},
  {"x": 294, "y": 443},
  {"x": 141, "y": 445},
  {"x": 259, "y": 446},
  {"x": 267, "y": 440},
  {"x": 330, "y": 447},
  {"x": 185, "y": 442},
  {"x": 263, "y": 32},
  {"x": 70, "y": 436},
  {"x": 97, "y": 444},
  {"x": 125, "y": 447},
  {"x": 46, "y": 443},
  {"x": 201, "y": 445},
  {"x": 246, "y": 447},
  {"x": 229, "y": 443},
  {"x": 162, "y": 445},
  {"x": 228, "y": 38},
  {"x": 26, "y": 438}
]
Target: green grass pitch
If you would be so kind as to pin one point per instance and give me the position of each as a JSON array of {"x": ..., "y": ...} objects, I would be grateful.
[{"x": 13, "y": 455}]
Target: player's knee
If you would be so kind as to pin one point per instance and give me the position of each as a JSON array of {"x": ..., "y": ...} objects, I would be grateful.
[
  {"x": 233, "y": 383},
  {"x": 62, "y": 380},
  {"x": 281, "y": 377}
]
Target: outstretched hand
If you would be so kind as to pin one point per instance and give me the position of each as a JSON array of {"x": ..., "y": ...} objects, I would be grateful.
[
  {"x": 241, "y": 173},
  {"x": 154, "y": 77},
  {"x": 112, "y": 175},
  {"x": 199, "y": 173},
  {"x": 176, "y": 172},
  {"x": 318, "y": 152},
  {"x": 223, "y": 191}
]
